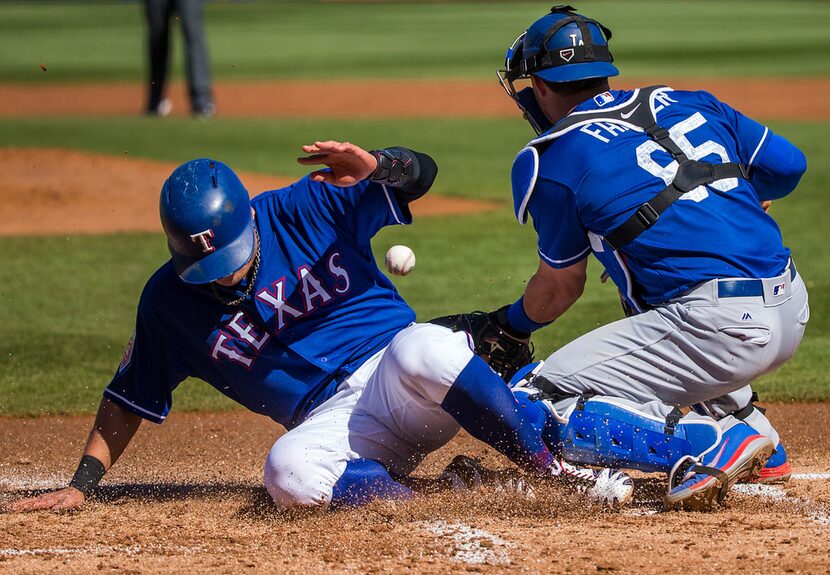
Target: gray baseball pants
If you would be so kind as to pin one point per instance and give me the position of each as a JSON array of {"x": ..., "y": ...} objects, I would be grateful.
[{"x": 697, "y": 350}]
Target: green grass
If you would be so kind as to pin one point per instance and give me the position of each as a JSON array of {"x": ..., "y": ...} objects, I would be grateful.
[
  {"x": 105, "y": 41},
  {"x": 68, "y": 303},
  {"x": 475, "y": 154}
]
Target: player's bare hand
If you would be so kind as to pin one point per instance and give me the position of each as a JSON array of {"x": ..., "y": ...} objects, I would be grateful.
[
  {"x": 63, "y": 500},
  {"x": 347, "y": 163},
  {"x": 766, "y": 205}
]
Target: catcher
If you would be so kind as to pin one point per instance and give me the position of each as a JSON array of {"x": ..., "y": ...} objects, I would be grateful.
[
  {"x": 665, "y": 187},
  {"x": 277, "y": 303}
]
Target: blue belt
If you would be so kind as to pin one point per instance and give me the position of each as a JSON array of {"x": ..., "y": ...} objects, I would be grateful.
[{"x": 747, "y": 287}]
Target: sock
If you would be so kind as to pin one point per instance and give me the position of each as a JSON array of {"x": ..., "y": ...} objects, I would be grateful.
[
  {"x": 363, "y": 481},
  {"x": 484, "y": 406}
]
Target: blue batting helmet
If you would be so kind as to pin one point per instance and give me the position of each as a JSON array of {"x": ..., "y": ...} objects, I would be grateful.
[
  {"x": 206, "y": 214},
  {"x": 561, "y": 46}
]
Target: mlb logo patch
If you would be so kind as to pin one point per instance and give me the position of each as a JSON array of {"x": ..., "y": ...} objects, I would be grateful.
[
  {"x": 604, "y": 98},
  {"x": 778, "y": 289}
]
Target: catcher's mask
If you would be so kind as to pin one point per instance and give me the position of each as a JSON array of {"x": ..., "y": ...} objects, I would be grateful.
[
  {"x": 206, "y": 214},
  {"x": 561, "y": 46}
]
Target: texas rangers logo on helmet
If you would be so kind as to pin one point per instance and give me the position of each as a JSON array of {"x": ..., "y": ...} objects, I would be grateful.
[
  {"x": 566, "y": 54},
  {"x": 204, "y": 239}
]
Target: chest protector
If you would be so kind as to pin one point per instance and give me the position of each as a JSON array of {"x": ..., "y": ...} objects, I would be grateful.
[{"x": 638, "y": 114}]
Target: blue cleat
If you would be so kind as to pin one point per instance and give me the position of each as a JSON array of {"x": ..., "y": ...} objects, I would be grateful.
[{"x": 701, "y": 483}]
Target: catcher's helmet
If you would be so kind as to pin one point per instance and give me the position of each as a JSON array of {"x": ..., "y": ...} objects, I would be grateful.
[
  {"x": 206, "y": 214},
  {"x": 562, "y": 46}
]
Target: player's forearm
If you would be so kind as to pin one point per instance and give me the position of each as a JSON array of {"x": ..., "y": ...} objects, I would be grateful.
[
  {"x": 543, "y": 303},
  {"x": 550, "y": 292},
  {"x": 777, "y": 171},
  {"x": 114, "y": 428}
]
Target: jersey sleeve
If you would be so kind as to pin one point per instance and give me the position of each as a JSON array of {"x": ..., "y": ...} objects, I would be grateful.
[
  {"x": 362, "y": 209},
  {"x": 148, "y": 373},
  {"x": 775, "y": 165},
  {"x": 562, "y": 239}
]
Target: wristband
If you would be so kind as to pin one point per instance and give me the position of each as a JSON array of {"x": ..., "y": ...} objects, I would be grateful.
[
  {"x": 89, "y": 473},
  {"x": 518, "y": 319}
]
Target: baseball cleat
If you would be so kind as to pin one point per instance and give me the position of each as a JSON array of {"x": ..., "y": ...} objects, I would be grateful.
[
  {"x": 777, "y": 469},
  {"x": 162, "y": 110},
  {"x": 467, "y": 473},
  {"x": 610, "y": 488},
  {"x": 700, "y": 484}
]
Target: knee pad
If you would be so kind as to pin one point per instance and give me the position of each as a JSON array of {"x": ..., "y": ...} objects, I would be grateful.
[
  {"x": 293, "y": 482},
  {"x": 542, "y": 414}
]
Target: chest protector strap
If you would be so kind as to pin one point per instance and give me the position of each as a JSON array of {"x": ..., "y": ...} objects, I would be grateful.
[{"x": 637, "y": 114}]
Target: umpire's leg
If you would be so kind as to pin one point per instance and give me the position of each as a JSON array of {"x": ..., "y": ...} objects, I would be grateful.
[
  {"x": 158, "y": 45},
  {"x": 196, "y": 59}
]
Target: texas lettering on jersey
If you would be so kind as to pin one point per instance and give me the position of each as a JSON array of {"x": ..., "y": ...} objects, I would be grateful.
[{"x": 241, "y": 339}]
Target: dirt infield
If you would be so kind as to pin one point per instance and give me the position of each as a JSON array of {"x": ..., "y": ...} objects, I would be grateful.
[
  {"x": 64, "y": 191},
  {"x": 187, "y": 497},
  {"x": 767, "y": 98}
]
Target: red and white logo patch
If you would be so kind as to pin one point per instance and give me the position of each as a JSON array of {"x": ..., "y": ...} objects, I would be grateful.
[
  {"x": 566, "y": 54},
  {"x": 128, "y": 353},
  {"x": 204, "y": 238}
]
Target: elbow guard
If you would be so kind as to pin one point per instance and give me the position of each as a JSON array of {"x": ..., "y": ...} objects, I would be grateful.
[{"x": 409, "y": 173}]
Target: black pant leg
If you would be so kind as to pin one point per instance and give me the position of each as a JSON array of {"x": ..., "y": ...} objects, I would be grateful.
[{"x": 158, "y": 43}]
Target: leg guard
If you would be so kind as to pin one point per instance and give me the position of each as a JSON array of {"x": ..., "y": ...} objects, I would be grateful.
[
  {"x": 606, "y": 431},
  {"x": 612, "y": 432}
]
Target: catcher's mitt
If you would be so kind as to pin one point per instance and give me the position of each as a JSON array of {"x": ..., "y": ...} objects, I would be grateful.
[{"x": 502, "y": 347}]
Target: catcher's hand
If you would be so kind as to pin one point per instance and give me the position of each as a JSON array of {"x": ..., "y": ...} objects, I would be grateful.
[{"x": 502, "y": 347}]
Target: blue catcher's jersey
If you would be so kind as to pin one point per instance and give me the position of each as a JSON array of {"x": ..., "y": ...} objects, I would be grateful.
[
  {"x": 584, "y": 184},
  {"x": 320, "y": 307}
]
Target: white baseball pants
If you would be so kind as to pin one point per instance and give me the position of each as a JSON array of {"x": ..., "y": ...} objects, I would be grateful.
[{"x": 389, "y": 411}]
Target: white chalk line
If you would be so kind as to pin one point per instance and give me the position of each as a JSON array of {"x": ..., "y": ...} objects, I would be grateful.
[
  {"x": 812, "y": 510},
  {"x": 106, "y": 550},
  {"x": 472, "y": 545},
  {"x": 50, "y": 482},
  {"x": 810, "y": 476}
]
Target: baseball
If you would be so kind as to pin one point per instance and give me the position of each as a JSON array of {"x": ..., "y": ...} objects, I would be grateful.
[{"x": 400, "y": 260}]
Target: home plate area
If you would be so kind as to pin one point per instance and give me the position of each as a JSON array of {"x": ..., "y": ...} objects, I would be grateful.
[{"x": 187, "y": 497}]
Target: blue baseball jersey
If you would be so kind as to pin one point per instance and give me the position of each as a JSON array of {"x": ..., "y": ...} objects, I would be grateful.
[
  {"x": 319, "y": 308},
  {"x": 587, "y": 182}
]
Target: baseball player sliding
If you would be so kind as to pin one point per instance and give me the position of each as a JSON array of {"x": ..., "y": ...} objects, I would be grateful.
[
  {"x": 278, "y": 304},
  {"x": 665, "y": 187}
]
